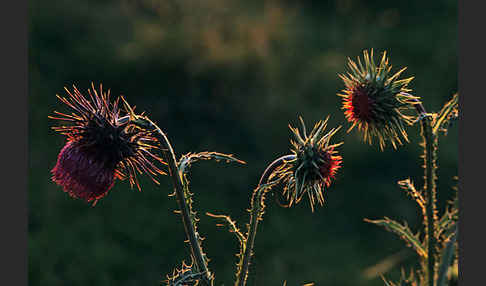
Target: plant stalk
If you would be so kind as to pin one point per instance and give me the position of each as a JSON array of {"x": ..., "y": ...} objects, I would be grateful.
[
  {"x": 195, "y": 246},
  {"x": 430, "y": 155},
  {"x": 257, "y": 206}
]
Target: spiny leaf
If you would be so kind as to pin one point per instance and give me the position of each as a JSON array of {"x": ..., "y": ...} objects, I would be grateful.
[
  {"x": 407, "y": 185},
  {"x": 186, "y": 276},
  {"x": 404, "y": 280},
  {"x": 449, "y": 112},
  {"x": 404, "y": 232},
  {"x": 446, "y": 224},
  {"x": 446, "y": 259},
  {"x": 232, "y": 227},
  {"x": 189, "y": 158},
  {"x": 454, "y": 203}
]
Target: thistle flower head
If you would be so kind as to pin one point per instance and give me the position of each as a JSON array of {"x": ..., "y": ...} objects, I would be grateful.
[
  {"x": 314, "y": 164},
  {"x": 374, "y": 99},
  {"x": 102, "y": 146}
]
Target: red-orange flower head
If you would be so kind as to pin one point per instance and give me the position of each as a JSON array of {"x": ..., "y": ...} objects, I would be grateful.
[
  {"x": 313, "y": 167},
  {"x": 374, "y": 100},
  {"x": 102, "y": 146}
]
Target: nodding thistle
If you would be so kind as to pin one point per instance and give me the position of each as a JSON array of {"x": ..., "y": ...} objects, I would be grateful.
[
  {"x": 313, "y": 165},
  {"x": 374, "y": 98},
  {"x": 102, "y": 146}
]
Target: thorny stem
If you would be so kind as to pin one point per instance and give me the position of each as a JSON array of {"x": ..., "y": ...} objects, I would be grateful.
[
  {"x": 274, "y": 165},
  {"x": 430, "y": 144},
  {"x": 257, "y": 206},
  {"x": 195, "y": 246}
]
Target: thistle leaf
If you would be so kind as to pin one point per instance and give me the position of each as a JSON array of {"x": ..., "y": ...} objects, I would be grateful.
[
  {"x": 449, "y": 112},
  {"x": 446, "y": 224},
  {"x": 404, "y": 232},
  {"x": 404, "y": 280},
  {"x": 232, "y": 227},
  {"x": 408, "y": 186},
  {"x": 446, "y": 259},
  {"x": 186, "y": 160},
  {"x": 186, "y": 276}
]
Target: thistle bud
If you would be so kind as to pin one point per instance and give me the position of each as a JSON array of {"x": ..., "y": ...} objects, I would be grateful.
[{"x": 313, "y": 166}]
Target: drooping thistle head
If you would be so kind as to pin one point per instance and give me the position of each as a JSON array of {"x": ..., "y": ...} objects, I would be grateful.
[
  {"x": 374, "y": 99},
  {"x": 102, "y": 146},
  {"x": 313, "y": 167}
]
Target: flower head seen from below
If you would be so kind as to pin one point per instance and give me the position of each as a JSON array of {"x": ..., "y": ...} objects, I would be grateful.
[
  {"x": 374, "y": 99},
  {"x": 102, "y": 146},
  {"x": 313, "y": 166}
]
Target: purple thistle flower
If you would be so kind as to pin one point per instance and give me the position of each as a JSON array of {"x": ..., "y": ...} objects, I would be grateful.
[{"x": 101, "y": 146}]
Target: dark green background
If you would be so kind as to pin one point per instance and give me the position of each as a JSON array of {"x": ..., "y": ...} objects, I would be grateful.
[{"x": 229, "y": 76}]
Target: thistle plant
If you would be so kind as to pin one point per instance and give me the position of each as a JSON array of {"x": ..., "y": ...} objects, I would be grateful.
[
  {"x": 106, "y": 142},
  {"x": 373, "y": 100}
]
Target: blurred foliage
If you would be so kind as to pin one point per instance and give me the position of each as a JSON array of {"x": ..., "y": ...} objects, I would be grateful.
[{"x": 229, "y": 76}]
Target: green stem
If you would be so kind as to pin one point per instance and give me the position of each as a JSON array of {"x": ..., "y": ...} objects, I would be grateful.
[
  {"x": 195, "y": 246},
  {"x": 430, "y": 167},
  {"x": 256, "y": 212}
]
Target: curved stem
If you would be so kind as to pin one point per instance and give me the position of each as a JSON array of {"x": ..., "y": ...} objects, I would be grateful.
[
  {"x": 256, "y": 212},
  {"x": 195, "y": 246},
  {"x": 274, "y": 165}
]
